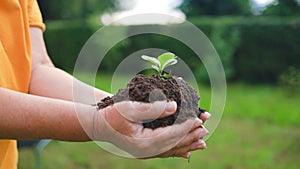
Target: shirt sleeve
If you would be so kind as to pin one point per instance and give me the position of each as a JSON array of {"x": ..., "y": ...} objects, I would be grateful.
[{"x": 34, "y": 15}]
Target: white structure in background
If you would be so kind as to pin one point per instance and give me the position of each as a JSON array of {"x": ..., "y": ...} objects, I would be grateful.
[
  {"x": 138, "y": 12},
  {"x": 258, "y": 6}
]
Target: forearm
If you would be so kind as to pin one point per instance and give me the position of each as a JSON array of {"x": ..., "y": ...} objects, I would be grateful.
[
  {"x": 48, "y": 81},
  {"x": 51, "y": 82},
  {"x": 24, "y": 116}
]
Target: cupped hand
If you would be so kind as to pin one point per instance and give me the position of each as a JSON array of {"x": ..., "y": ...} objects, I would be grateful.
[{"x": 121, "y": 124}]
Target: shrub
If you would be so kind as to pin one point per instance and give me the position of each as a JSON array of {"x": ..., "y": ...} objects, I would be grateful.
[
  {"x": 290, "y": 81},
  {"x": 64, "y": 41},
  {"x": 252, "y": 49}
]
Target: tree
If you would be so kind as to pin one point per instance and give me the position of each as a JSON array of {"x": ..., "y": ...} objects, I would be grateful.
[
  {"x": 216, "y": 7},
  {"x": 283, "y": 8}
]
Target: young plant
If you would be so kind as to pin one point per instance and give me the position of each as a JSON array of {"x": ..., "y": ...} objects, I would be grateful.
[{"x": 161, "y": 62}]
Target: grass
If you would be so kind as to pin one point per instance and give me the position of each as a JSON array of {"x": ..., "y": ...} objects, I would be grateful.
[
  {"x": 238, "y": 144},
  {"x": 259, "y": 129}
]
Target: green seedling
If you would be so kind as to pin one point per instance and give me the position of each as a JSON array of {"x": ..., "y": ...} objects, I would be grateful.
[{"x": 161, "y": 62}]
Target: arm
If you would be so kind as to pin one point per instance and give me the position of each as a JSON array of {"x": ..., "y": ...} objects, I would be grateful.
[
  {"x": 58, "y": 83},
  {"x": 177, "y": 140},
  {"x": 47, "y": 112},
  {"x": 25, "y": 116}
]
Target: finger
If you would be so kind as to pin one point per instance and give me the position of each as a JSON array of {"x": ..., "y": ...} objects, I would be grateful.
[
  {"x": 198, "y": 145},
  {"x": 164, "y": 139},
  {"x": 198, "y": 123},
  {"x": 186, "y": 155},
  {"x": 170, "y": 136},
  {"x": 205, "y": 116},
  {"x": 192, "y": 137},
  {"x": 185, "y": 151},
  {"x": 140, "y": 111}
]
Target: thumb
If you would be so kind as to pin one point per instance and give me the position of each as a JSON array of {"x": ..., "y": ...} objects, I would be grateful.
[{"x": 140, "y": 111}]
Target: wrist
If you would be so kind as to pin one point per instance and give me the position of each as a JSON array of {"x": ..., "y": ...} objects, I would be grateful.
[
  {"x": 93, "y": 122},
  {"x": 108, "y": 125},
  {"x": 87, "y": 116}
]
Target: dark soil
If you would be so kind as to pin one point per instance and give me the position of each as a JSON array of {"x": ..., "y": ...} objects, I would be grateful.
[{"x": 156, "y": 88}]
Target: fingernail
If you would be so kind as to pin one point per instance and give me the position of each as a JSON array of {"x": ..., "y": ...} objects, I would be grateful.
[
  {"x": 198, "y": 123},
  {"x": 205, "y": 130},
  {"x": 201, "y": 144},
  {"x": 186, "y": 155},
  {"x": 201, "y": 141},
  {"x": 208, "y": 115},
  {"x": 171, "y": 107}
]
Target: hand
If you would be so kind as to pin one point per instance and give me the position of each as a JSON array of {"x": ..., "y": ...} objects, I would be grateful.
[
  {"x": 205, "y": 116},
  {"x": 186, "y": 145},
  {"x": 120, "y": 124}
]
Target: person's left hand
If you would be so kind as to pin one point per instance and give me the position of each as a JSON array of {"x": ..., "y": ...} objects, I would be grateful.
[
  {"x": 191, "y": 142},
  {"x": 120, "y": 124}
]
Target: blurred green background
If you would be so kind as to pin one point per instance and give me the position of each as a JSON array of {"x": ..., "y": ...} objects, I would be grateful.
[{"x": 258, "y": 43}]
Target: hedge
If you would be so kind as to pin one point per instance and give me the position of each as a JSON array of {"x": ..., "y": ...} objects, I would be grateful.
[
  {"x": 252, "y": 49},
  {"x": 64, "y": 41}
]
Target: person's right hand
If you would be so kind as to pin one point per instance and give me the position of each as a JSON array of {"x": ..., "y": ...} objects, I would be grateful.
[{"x": 121, "y": 125}]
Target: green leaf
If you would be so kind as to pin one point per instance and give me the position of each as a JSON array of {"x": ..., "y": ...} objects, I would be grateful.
[
  {"x": 163, "y": 58},
  {"x": 153, "y": 60},
  {"x": 169, "y": 63},
  {"x": 156, "y": 68}
]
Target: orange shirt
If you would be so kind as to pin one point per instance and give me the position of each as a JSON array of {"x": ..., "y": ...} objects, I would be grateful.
[{"x": 16, "y": 16}]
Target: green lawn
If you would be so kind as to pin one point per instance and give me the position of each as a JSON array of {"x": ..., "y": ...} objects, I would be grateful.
[{"x": 259, "y": 130}]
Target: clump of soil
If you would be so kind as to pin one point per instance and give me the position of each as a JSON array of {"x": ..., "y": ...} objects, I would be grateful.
[{"x": 156, "y": 88}]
